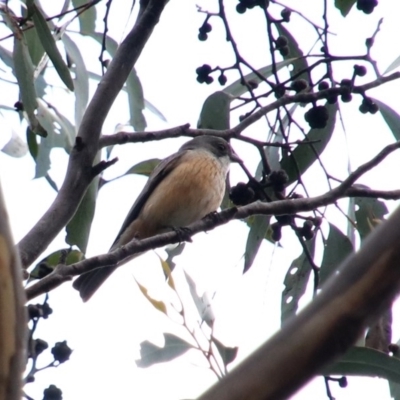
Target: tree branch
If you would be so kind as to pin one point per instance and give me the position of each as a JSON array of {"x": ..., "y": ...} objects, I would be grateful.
[{"x": 79, "y": 172}]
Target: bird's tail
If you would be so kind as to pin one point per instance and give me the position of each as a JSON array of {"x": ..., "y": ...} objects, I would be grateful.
[{"x": 88, "y": 283}]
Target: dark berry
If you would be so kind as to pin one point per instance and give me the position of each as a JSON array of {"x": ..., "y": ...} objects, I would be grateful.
[
  {"x": 279, "y": 91},
  {"x": 308, "y": 224},
  {"x": 252, "y": 84},
  {"x": 52, "y": 393},
  {"x": 332, "y": 98},
  {"x": 19, "y": 106},
  {"x": 241, "y": 194},
  {"x": 317, "y": 117},
  {"x": 207, "y": 28},
  {"x": 346, "y": 83},
  {"x": 209, "y": 80},
  {"x": 346, "y": 97},
  {"x": 284, "y": 219},
  {"x": 241, "y": 8},
  {"x": 222, "y": 79},
  {"x": 40, "y": 346},
  {"x": 202, "y": 36},
  {"x": 373, "y": 108},
  {"x": 369, "y": 42},
  {"x": 317, "y": 221},
  {"x": 323, "y": 85},
  {"x": 285, "y": 14},
  {"x": 307, "y": 234},
  {"x": 342, "y": 382},
  {"x": 276, "y": 235},
  {"x": 278, "y": 177},
  {"x": 61, "y": 352},
  {"x": 284, "y": 51},
  {"x": 281, "y": 41},
  {"x": 298, "y": 85},
  {"x": 360, "y": 70},
  {"x": 366, "y": 6}
]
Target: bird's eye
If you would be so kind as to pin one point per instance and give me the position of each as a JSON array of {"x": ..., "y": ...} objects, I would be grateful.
[{"x": 222, "y": 147}]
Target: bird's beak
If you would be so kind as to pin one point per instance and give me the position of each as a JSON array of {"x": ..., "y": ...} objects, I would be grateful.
[{"x": 234, "y": 157}]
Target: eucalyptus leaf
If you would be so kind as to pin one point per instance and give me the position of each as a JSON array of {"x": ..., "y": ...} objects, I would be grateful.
[
  {"x": 228, "y": 354},
  {"x": 151, "y": 354},
  {"x": 391, "y": 117},
  {"x": 362, "y": 361},
  {"x": 344, "y": 6},
  {"x": 87, "y": 18},
  {"x": 304, "y": 155},
  {"x": 258, "y": 229},
  {"x": 393, "y": 65},
  {"x": 49, "y": 45},
  {"x": 295, "y": 282},
  {"x": 15, "y": 147},
  {"x": 216, "y": 111},
  {"x": 136, "y": 101},
  {"x": 337, "y": 248}
]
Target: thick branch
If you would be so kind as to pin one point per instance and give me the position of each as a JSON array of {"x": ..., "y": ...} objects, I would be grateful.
[
  {"x": 367, "y": 284},
  {"x": 79, "y": 172},
  {"x": 13, "y": 322}
]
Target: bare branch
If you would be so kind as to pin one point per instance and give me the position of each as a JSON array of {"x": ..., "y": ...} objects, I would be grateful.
[{"x": 79, "y": 172}]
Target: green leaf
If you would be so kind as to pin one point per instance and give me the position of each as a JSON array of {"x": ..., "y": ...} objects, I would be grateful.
[
  {"x": 295, "y": 282},
  {"x": 390, "y": 116},
  {"x": 395, "y": 387},
  {"x": 173, "y": 251},
  {"x": 35, "y": 47},
  {"x": 236, "y": 88},
  {"x": 299, "y": 62},
  {"x": 78, "y": 229},
  {"x": 136, "y": 101},
  {"x": 151, "y": 354},
  {"x": 303, "y": 156},
  {"x": 362, "y": 361},
  {"x": 143, "y": 168},
  {"x": 228, "y": 354},
  {"x": 369, "y": 214},
  {"x": 49, "y": 45},
  {"x": 258, "y": 229},
  {"x": 203, "y": 303},
  {"x": 216, "y": 111},
  {"x": 7, "y": 57},
  {"x": 344, "y": 6},
  {"x": 393, "y": 65},
  {"x": 337, "y": 248},
  {"x": 33, "y": 146},
  {"x": 87, "y": 19},
  {"x": 47, "y": 264},
  {"x": 81, "y": 79}
]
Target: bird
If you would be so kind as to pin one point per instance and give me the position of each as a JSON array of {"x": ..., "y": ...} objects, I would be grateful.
[{"x": 182, "y": 189}]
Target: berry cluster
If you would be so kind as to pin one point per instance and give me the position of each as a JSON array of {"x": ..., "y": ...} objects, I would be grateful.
[
  {"x": 368, "y": 106},
  {"x": 242, "y": 194},
  {"x": 249, "y": 4},
  {"x": 307, "y": 231},
  {"x": 366, "y": 6},
  {"x": 203, "y": 30},
  {"x": 203, "y": 74},
  {"x": 317, "y": 117},
  {"x": 281, "y": 44}
]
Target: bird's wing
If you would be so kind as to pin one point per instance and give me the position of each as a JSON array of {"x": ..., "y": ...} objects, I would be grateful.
[{"x": 159, "y": 173}]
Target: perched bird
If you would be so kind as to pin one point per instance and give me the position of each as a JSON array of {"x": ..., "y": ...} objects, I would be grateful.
[{"x": 182, "y": 189}]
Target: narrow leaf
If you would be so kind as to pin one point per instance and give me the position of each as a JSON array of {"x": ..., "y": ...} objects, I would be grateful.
[
  {"x": 81, "y": 79},
  {"x": 228, "y": 354},
  {"x": 216, "y": 111},
  {"x": 157, "y": 304},
  {"x": 78, "y": 229},
  {"x": 300, "y": 62},
  {"x": 237, "y": 89},
  {"x": 167, "y": 272},
  {"x": 151, "y": 354},
  {"x": 203, "y": 303},
  {"x": 362, "y": 361},
  {"x": 136, "y": 101},
  {"x": 303, "y": 156},
  {"x": 393, "y": 65},
  {"x": 258, "y": 229},
  {"x": 87, "y": 18},
  {"x": 295, "y": 282},
  {"x": 370, "y": 213},
  {"x": 391, "y": 117},
  {"x": 48, "y": 43},
  {"x": 337, "y": 248}
]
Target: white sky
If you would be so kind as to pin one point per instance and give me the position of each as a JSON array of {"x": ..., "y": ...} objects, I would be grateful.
[{"x": 106, "y": 332}]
